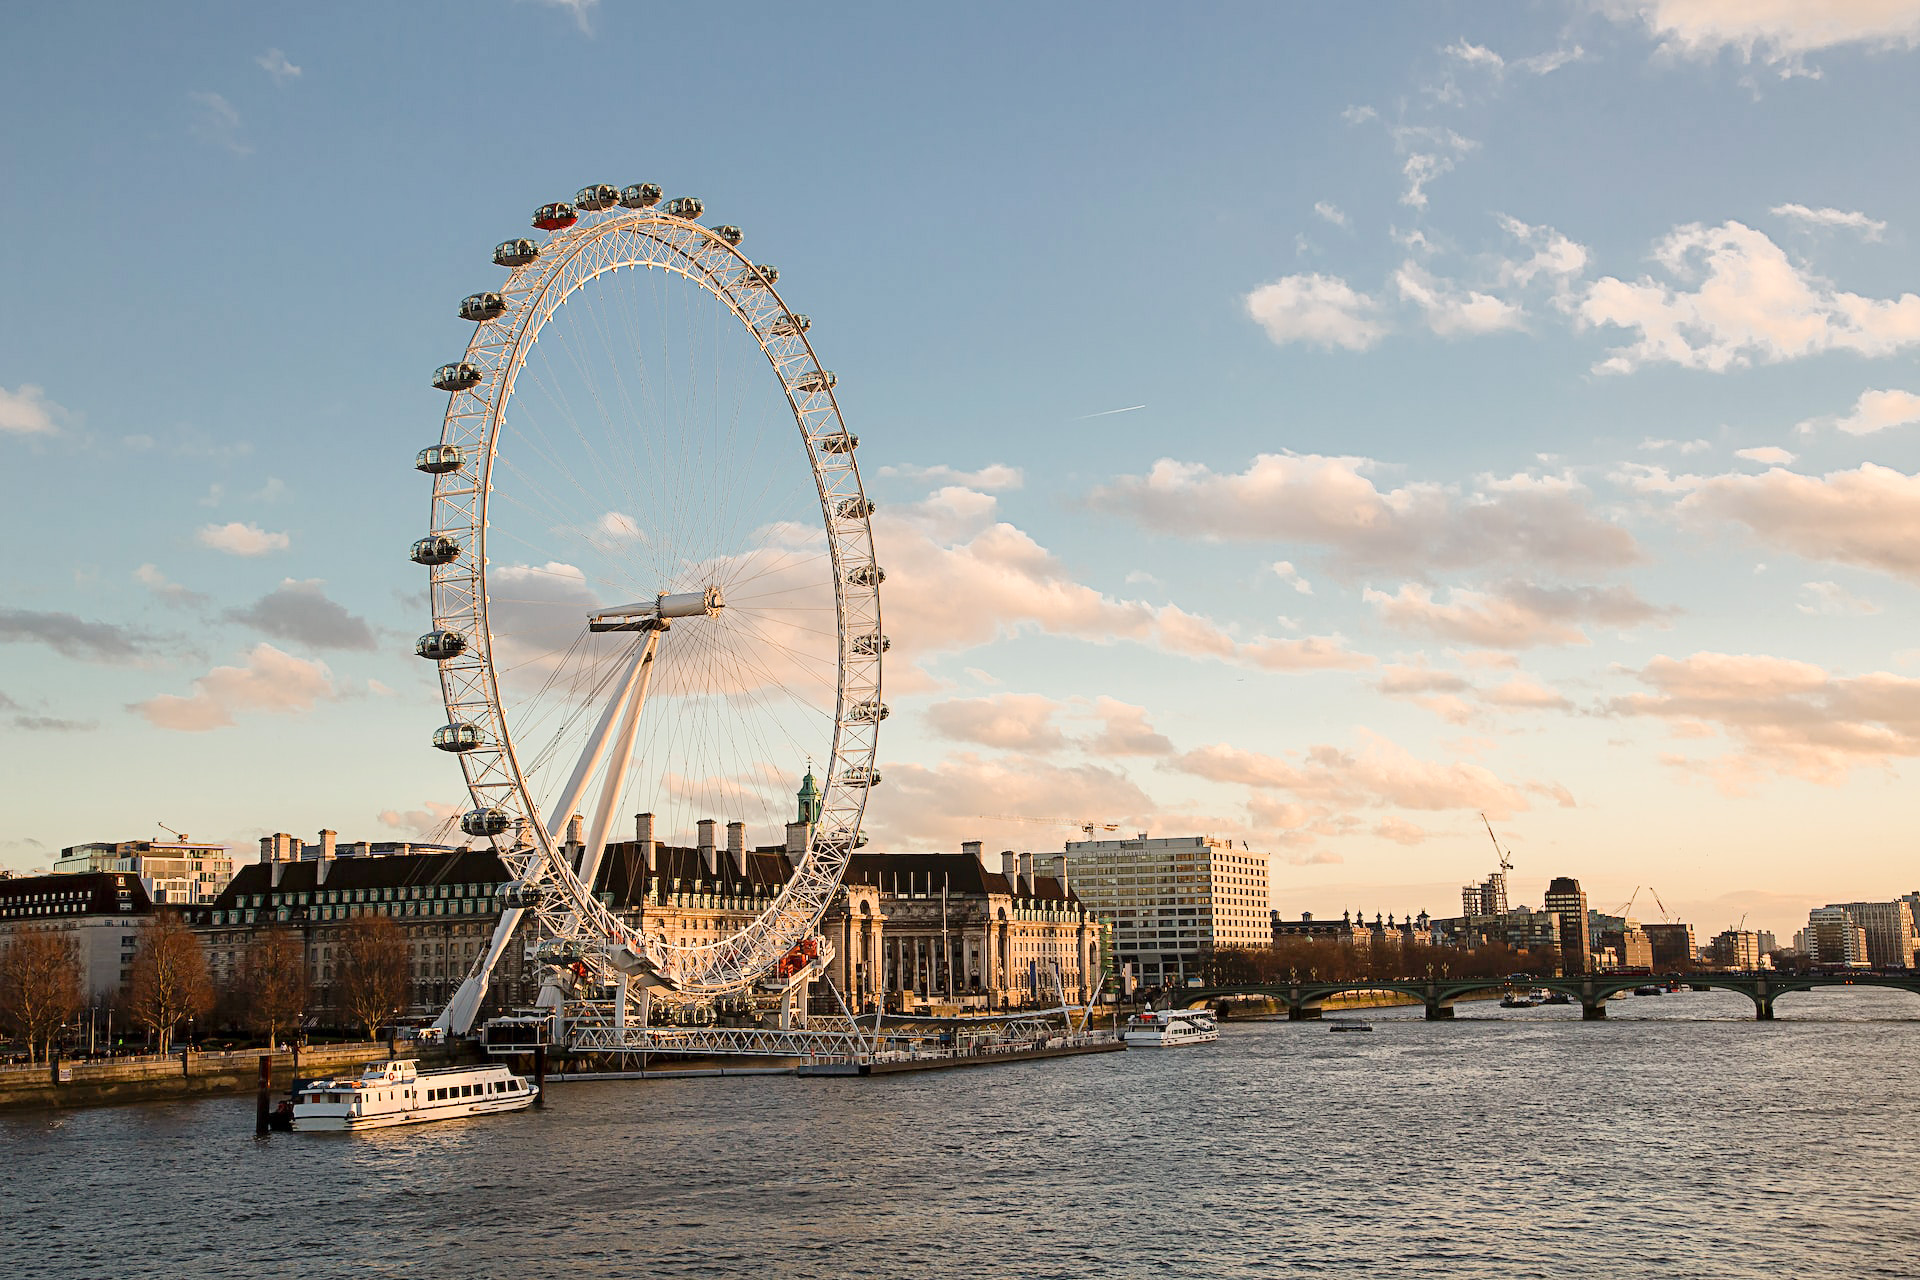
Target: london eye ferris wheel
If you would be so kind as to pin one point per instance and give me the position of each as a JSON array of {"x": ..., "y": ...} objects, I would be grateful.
[{"x": 652, "y": 578}]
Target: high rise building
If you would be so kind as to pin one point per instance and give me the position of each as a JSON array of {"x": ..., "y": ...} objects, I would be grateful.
[
  {"x": 1736, "y": 949},
  {"x": 1768, "y": 943},
  {"x": 1173, "y": 900},
  {"x": 1672, "y": 946},
  {"x": 1488, "y": 898},
  {"x": 1567, "y": 901},
  {"x": 1889, "y": 926},
  {"x": 175, "y": 873},
  {"x": 1833, "y": 938}
]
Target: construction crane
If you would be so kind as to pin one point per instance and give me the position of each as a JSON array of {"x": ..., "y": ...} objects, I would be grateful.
[
  {"x": 181, "y": 836},
  {"x": 1086, "y": 826},
  {"x": 1666, "y": 916},
  {"x": 1506, "y": 858},
  {"x": 1625, "y": 911}
]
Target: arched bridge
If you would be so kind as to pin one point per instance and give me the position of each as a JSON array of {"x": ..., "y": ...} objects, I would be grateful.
[{"x": 1306, "y": 999}]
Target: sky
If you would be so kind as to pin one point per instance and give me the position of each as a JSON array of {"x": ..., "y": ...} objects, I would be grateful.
[{"x": 1317, "y": 426}]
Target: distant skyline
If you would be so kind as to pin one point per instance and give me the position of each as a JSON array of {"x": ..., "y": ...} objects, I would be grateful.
[{"x": 1312, "y": 427}]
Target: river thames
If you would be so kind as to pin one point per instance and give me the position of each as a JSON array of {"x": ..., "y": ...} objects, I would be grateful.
[{"x": 1677, "y": 1139}]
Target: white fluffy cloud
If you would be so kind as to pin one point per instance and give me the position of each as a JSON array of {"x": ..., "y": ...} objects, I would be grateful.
[
  {"x": 238, "y": 539},
  {"x": 1873, "y": 411},
  {"x": 1834, "y": 600},
  {"x": 1766, "y": 455},
  {"x": 1331, "y": 502},
  {"x": 1782, "y": 716},
  {"x": 1775, "y": 31},
  {"x": 271, "y": 681},
  {"x": 1322, "y": 311},
  {"x": 989, "y": 479},
  {"x": 1452, "y": 311},
  {"x": 1736, "y": 298},
  {"x": 1005, "y": 721},
  {"x": 275, "y": 64},
  {"x": 27, "y": 412},
  {"x": 1840, "y": 219},
  {"x": 940, "y": 805},
  {"x": 1381, "y": 774},
  {"x": 1868, "y": 517},
  {"x": 1517, "y": 616}
]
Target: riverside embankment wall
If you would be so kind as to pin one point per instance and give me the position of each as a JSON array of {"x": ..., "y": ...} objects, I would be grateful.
[{"x": 83, "y": 1084}]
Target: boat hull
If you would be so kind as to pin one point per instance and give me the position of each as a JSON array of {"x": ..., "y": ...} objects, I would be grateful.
[{"x": 317, "y": 1120}]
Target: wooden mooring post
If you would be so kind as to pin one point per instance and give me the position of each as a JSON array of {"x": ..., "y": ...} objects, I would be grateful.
[{"x": 266, "y": 1095}]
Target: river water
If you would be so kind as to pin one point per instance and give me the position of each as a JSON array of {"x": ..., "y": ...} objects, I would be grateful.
[{"x": 1678, "y": 1139}]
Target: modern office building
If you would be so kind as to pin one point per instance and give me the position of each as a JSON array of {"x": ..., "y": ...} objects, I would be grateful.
[
  {"x": 1889, "y": 926},
  {"x": 1567, "y": 901},
  {"x": 174, "y": 873},
  {"x": 1735, "y": 949},
  {"x": 1173, "y": 900},
  {"x": 1672, "y": 946},
  {"x": 1833, "y": 938},
  {"x": 1767, "y": 942}
]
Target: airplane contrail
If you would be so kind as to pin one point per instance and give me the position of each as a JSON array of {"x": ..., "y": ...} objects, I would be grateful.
[{"x": 1109, "y": 412}]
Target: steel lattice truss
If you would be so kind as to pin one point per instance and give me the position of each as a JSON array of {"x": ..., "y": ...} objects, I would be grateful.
[{"x": 563, "y": 906}]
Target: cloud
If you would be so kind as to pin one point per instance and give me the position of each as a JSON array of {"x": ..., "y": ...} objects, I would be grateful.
[
  {"x": 28, "y": 412},
  {"x": 1517, "y": 616},
  {"x": 271, "y": 681},
  {"x": 1869, "y": 228},
  {"x": 1873, "y": 411},
  {"x": 1748, "y": 302},
  {"x": 216, "y": 123},
  {"x": 1380, "y": 775},
  {"x": 434, "y": 821},
  {"x": 150, "y": 577},
  {"x": 237, "y": 539},
  {"x": 1291, "y": 576},
  {"x": 275, "y": 64},
  {"x": 28, "y": 721},
  {"x": 1781, "y": 716},
  {"x": 1324, "y": 311},
  {"x": 1555, "y": 258},
  {"x": 1124, "y": 731},
  {"x": 620, "y": 527},
  {"x": 1774, "y": 31},
  {"x": 957, "y": 584},
  {"x": 1430, "y": 153},
  {"x": 72, "y": 637},
  {"x": 1868, "y": 517},
  {"x": 1524, "y": 693},
  {"x": 1833, "y": 600},
  {"x": 992, "y": 478},
  {"x": 1451, "y": 311},
  {"x": 939, "y": 805},
  {"x": 300, "y": 611},
  {"x": 1006, "y": 721},
  {"x": 1330, "y": 212},
  {"x": 1330, "y": 502},
  {"x": 580, "y": 9},
  {"x": 1767, "y": 455}
]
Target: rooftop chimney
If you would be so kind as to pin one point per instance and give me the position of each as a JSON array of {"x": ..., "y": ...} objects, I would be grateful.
[
  {"x": 1010, "y": 867},
  {"x": 1060, "y": 872},
  {"x": 797, "y": 838},
  {"x": 1026, "y": 875},
  {"x": 279, "y": 869},
  {"x": 326, "y": 842},
  {"x": 643, "y": 836},
  {"x": 709, "y": 856},
  {"x": 737, "y": 847},
  {"x": 574, "y": 825},
  {"x": 970, "y": 848}
]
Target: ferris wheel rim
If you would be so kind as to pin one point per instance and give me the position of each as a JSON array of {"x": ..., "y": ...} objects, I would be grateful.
[{"x": 494, "y": 770}]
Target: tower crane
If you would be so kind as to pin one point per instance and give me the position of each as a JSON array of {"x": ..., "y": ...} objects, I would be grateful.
[
  {"x": 181, "y": 836},
  {"x": 1624, "y": 911},
  {"x": 1506, "y": 858},
  {"x": 1666, "y": 916},
  {"x": 1087, "y": 826}
]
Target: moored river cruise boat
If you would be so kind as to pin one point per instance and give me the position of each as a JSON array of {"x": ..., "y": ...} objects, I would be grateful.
[
  {"x": 1166, "y": 1028},
  {"x": 398, "y": 1092}
]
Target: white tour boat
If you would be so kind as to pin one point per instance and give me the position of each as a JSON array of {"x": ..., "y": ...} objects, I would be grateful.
[
  {"x": 1165, "y": 1028},
  {"x": 398, "y": 1092}
]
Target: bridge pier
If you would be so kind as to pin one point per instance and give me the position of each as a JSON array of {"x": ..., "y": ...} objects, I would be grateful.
[
  {"x": 1593, "y": 1010},
  {"x": 1303, "y": 1013},
  {"x": 1437, "y": 1012},
  {"x": 1763, "y": 1008}
]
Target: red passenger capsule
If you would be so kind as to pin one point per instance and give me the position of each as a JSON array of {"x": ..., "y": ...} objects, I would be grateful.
[{"x": 555, "y": 217}]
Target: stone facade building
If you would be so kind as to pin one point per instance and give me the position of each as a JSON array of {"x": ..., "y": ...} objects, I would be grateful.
[{"x": 102, "y": 911}]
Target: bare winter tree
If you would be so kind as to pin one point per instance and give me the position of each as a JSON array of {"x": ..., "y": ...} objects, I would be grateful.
[
  {"x": 40, "y": 987},
  {"x": 170, "y": 979},
  {"x": 273, "y": 981},
  {"x": 372, "y": 971}
]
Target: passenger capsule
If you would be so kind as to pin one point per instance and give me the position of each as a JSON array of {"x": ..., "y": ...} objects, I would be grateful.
[
  {"x": 855, "y": 509},
  {"x": 557, "y": 216},
  {"x": 868, "y": 712},
  {"x": 760, "y": 274},
  {"x": 860, "y": 778},
  {"x": 641, "y": 195},
  {"x": 458, "y": 736},
  {"x": 438, "y": 646},
  {"x": 866, "y": 575},
  {"x": 485, "y": 822},
  {"x": 871, "y": 645},
  {"x": 814, "y": 380},
  {"x": 688, "y": 207},
  {"x": 515, "y": 253},
  {"x": 456, "y": 377},
  {"x": 559, "y": 952},
  {"x": 791, "y": 325},
  {"x": 438, "y": 459},
  {"x": 845, "y": 442},
  {"x": 436, "y": 548},
  {"x": 731, "y": 234},
  {"x": 482, "y": 307},
  {"x": 517, "y": 896},
  {"x": 597, "y": 197}
]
